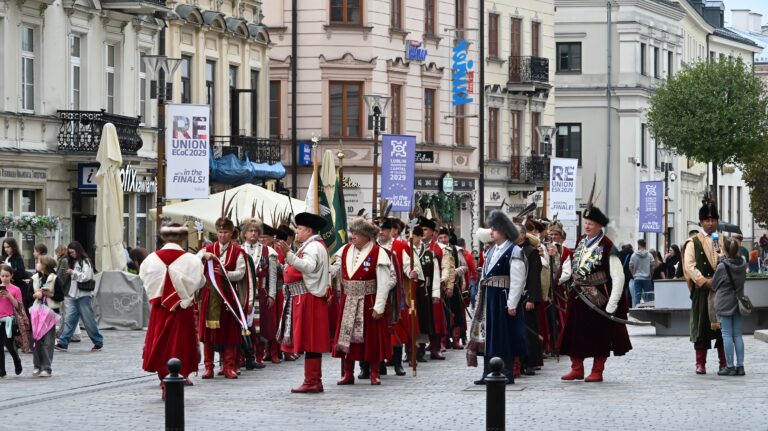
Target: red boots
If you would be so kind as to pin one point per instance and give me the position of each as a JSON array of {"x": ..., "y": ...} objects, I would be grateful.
[
  {"x": 456, "y": 339},
  {"x": 274, "y": 352},
  {"x": 721, "y": 358},
  {"x": 577, "y": 370},
  {"x": 597, "y": 370},
  {"x": 701, "y": 361},
  {"x": 375, "y": 380},
  {"x": 434, "y": 348},
  {"x": 208, "y": 360},
  {"x": 349, "y": 373},
  {"x": 229, "y": 356},
  {"x": 313, "y": 377}
]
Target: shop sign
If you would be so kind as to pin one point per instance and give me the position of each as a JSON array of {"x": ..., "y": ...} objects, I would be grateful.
[
  {"x": 86, "y": 176},
  {"x": 133, "y": 184},
  {"x": 23, "y": 174},
  {"x": 447, "y": 184},
  {"x": 434, "y": 183},
  {"x": 349, "y": 183},
  {"x": 414, "y": 50},
  {"x": 461, "y": 67},
  {"x": 425, "y": 157}
]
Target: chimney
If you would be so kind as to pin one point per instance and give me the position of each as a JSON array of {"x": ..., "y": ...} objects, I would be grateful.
[
  {"x": 756, "y": 20},
  {"x": 740, "y": 19}
]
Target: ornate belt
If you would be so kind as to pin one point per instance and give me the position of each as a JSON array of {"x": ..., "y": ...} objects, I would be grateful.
[
  {"x": 498, "y": 281},
  {"x": 359, "y": 288},
  {"x": 296, "y": 288},
  {"x": 594, "y": 279}
]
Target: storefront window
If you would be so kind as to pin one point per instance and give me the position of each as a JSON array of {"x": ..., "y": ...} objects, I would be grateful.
[
  {"x": 28, "y": 205},
  {"x": 141, "y": 220},
  {"x": 126, "y": 218}
]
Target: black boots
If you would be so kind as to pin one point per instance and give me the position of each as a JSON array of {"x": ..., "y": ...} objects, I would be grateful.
[
  {"x": 365, "y": 371},
  {"x": 486, "y": 371},
  {"x": 397, "y": 360}
]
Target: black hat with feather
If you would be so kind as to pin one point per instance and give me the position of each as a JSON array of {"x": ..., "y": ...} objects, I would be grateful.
[{"x": 592, "y": 212}]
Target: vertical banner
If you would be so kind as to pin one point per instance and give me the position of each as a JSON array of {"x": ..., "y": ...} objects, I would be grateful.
[
  {"x": 562, "y": 188},
  {"x": 187, "y": 151},
  {"x": 398, "y": 164},
  {"x": 462, "y": 74},
  {"x": 652, "y": 206}
]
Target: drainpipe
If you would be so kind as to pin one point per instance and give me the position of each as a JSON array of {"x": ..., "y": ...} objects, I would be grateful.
[
  {"x": 481, "y": 141},
  {"x": 608, "y": 96},
  {"x": 294, "y": 70}
]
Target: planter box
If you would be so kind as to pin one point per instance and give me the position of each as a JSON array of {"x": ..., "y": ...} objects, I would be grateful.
[{"x": 671, "y": 310}]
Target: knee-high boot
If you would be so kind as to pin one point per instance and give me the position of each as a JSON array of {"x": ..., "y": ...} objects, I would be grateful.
[
  {"x": 721, "y": 357},
  {"x": 486, "y": 371},
  {"x": 577, "y": 369},
  {"x": 365, "y": 371},
  {"x": 701, "y": 361},
  {"x": 349, "y": 372},
  {"x": 397, "y": 360},
  {"x": 313, "y": 376},
  {"x": 208, "y": 360},
  {"x": 597, "y": 370},
  {"x": 230, "y": 355},
  {"x": 434, "y": 348}
]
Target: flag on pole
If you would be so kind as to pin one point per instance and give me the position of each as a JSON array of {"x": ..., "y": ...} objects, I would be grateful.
[{"x": 331, "y": 203}]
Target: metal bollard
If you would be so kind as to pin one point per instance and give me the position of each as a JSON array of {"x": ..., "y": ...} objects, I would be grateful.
[
  {"x": 495, "y": 403},
  {"x": 174, "y": 397}
]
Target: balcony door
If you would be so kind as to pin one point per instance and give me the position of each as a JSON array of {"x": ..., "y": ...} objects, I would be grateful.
[{"x": 516, "y": 48}]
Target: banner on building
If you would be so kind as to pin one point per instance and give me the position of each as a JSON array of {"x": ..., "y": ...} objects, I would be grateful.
[
  {"x": 652, "y": 206},
  {"x": 461, "y": 74},
  {"x": 562, "y": 188},
  {"x": 398, "y": 162},
  {"x": 187, "y": 151}
]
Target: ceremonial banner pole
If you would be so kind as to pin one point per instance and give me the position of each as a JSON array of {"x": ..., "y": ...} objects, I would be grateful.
[
  {"x": 315, "y": 176},
  {"x": 412, "y": 310}
]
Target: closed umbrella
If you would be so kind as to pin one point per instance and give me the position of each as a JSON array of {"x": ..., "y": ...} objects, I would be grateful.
[{"x": 110, "y": 254}]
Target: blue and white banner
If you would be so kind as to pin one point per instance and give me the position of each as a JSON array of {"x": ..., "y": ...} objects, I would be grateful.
[
  {"x": 652, "y": 206},
  {"x": 398, "y": 165},
  {"x": 187, "y": 151},
  {"x": 562, "y": 188}
]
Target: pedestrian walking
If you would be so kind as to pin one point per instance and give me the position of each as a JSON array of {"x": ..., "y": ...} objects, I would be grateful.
[
  {"x": 641, "y": 267},
  {"x": 728, "y": 285},
  {"x": 79, "y": 299},
  {"x": 10, "y": 306},
  {"x": 48, "y": 292}
]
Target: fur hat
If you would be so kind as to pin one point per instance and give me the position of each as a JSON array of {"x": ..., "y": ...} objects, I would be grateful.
[
  {"x": 387, "y": 223},
  {"x": 427, "y": 223},
  {"x": 556, "y": 226},
  {"x": 286, "y": 230},
  {"x": 361, "y": 226},
  {"x": 224, "y": 223},
  {"x": 251, "y": 223},
  {"x": 499, "y": 221},
  {"x": 312, "y": 221},
  {"x": 174, "y": 229},
  {"x": 484, "y": 235},
  {"x": 708, "y": 209},
  {"x": 596, "y": 216}
]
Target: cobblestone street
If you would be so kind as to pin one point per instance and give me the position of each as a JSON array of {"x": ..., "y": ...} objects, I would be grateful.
[{"x": 653, "y": 387}]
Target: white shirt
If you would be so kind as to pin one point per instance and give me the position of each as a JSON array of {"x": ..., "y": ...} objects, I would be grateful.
[
  {"x": 313, "y": 265},
  {"x": 517, "y": 270},
  {"x": 186, "y": 274},
  {"x": 80, "y": 274}
]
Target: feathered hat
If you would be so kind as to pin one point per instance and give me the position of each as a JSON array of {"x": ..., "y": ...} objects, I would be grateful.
[
  {"x": 499, "y": 221},
  {"x": 708, "y": 208},
  {"x": 592, "y": 212},
  {"x": 556, "y": 226}
]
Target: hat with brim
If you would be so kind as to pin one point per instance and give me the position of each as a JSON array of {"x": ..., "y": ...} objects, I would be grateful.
[
  {"x": 427, "y": 223},
  {"x": 268, "y": 230},
  {"x": 360, "y": 226},
  {"x": 312, "y": 221},
  {"x": 594, "y": 214}
]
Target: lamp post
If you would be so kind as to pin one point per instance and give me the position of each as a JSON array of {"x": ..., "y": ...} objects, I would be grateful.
[
  {"x": 546, "y": 135},
  {"x": 162, "y": 68},
  {"x": 377, "y": 111}
]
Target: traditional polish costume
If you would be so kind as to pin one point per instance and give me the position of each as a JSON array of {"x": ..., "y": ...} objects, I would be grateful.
[
  {"x": 427, "y": 292},
  {"x": 264, "y": 326},
  {"x": 171, "y": 278}
]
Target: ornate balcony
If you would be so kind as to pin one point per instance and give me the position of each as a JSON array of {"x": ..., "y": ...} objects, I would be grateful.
[
  {"x": 80, "y": 131},
  {"x": 258, "y": 150},
  {"x": 528, "y": 74},
  {"x": 529, "y": 169}
]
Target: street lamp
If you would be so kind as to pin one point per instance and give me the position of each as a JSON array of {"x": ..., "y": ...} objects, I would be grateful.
[
  {"x": 377, "y": 111},
  {"x": 665, "y": 153},
  {"x": 546, "y": 136}
]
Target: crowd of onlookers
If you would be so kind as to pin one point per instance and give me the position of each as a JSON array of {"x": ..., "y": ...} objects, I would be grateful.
[{"x": 37, "y": 305}]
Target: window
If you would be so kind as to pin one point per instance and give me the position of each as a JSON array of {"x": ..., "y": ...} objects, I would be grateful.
[
  {"x": 738, "y": 205},
  {"x": 396, "y": 91},
  {"x": 659, "y": 161},
  {"x": 346, "y": 100},
  {"x": 143, "y": 91},
  {"x": 670, "y": 64},
  {"x": 643, "y": 137},
  {"x": 232, "y": 77},
  {"x": 396, "y": 14},
  {"x": 535, "y": 38},
  {"x": 430, "y": 15},
  {"x": 493, "y": 133},
  {"x": 74, "y": 72},
  {"x": 569, "y": 57},
  {"x": 643, "y": 70},
  {"x": 516, "y": 37},
  {"x": 254, "y": 102},
  {"x": 429, "y": 115},
  {"x": 568, "y": 141},
  {"x": 515, "y": 121},
  {"x": 111, "y": 78},
  {"x": 210, "y": 92},
  {"x": 656, "y": 63},
  {"x": 27, "y": 69},
  {"x": 186, "y": 79},
  {"x": 460, "y": 132},
  {"x": 493, "y": 35},
  {"x": 535, "y": 144},
  {"x": 274, "y": 109},
  {"x": 141, "y": 219},
  {"x": 346, "y": 11},
  {"x": 460, "y": 21}
]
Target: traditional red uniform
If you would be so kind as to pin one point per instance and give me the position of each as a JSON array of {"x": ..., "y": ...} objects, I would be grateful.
[{"x": 438, "y": 313}]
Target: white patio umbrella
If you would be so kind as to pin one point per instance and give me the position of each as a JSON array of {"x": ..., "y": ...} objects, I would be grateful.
[{"x": 110, "y": 254}]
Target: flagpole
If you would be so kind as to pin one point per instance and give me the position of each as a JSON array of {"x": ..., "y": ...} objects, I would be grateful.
[{"x": 315, "y": 176}]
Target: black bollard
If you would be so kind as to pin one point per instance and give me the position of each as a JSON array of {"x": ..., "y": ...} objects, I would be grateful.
[
  {"x": 495, "y": 403},
  {"x": 174, "y": 397}
]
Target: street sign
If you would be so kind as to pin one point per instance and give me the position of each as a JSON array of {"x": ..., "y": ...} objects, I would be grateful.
[
  {"x": 86, "y": 176},
  {"x": 305, "y": 153},
  {"x": 425, "y": 157}
]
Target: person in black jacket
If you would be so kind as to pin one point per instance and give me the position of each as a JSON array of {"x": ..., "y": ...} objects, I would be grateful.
[
  {"x": 12, "y": 257},
  {"x": 531, "y": 296}
]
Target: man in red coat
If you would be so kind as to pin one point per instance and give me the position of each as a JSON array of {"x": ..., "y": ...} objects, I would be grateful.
[
  {"x": 362, "y": 333},
  {"x": 221, "y": 306},
  {"x": 438, "y": 314},
  {"x": 171, "y": 277},
  {"x": 562, "y": 276}
]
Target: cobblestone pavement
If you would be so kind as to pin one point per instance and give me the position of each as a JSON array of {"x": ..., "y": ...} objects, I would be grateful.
[{"x": 651, "y": 388}]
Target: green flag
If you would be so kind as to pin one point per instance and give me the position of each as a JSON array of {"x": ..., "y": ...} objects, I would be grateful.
[{"x": 332, "y": 209}]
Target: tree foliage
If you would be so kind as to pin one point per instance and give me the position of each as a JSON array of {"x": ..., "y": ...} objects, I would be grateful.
[
  {"x": 713, "y": 112},
  {"x": 756, "y": 177}
]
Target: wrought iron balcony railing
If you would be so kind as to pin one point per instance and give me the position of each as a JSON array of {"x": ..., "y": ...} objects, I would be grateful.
[
  {"x": 528, "y": 69},
  {"x": 529, "y": 169},
  {"x": 258, "y": 150},
  {"x": 80, "y": 131}
]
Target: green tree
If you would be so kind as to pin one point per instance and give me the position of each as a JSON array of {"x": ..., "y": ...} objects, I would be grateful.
[
  {"x": 755, "y": 176},
  {"x": 713, "y": 112}
]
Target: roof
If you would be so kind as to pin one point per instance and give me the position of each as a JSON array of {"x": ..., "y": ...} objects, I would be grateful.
[
  {"x": 758, "y": 39},
  {"x": 732, "y": 35}
]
